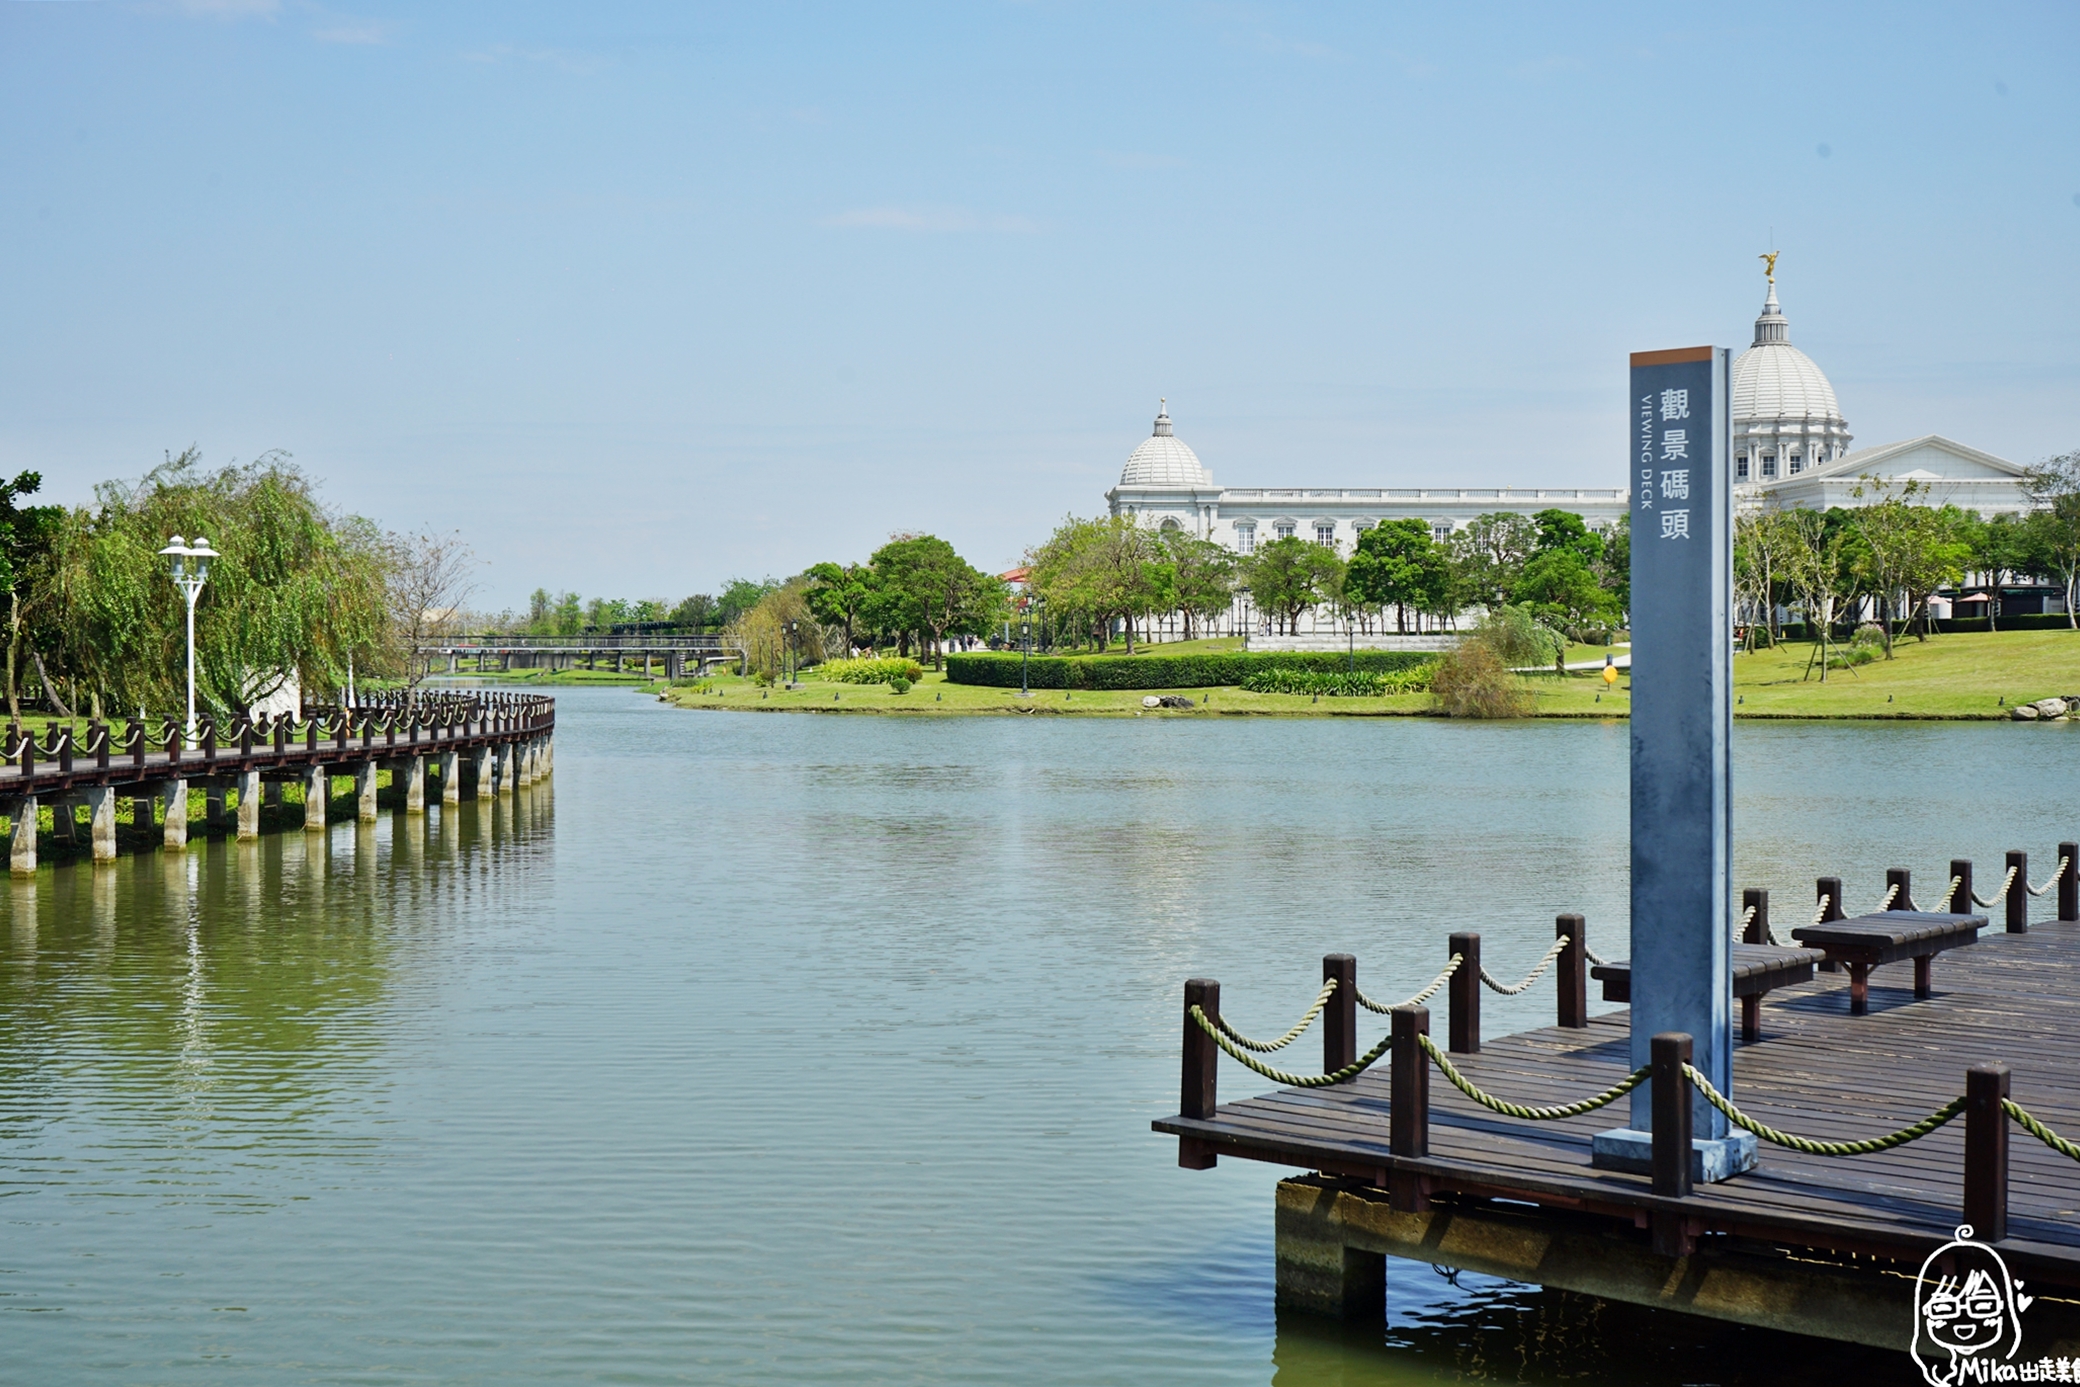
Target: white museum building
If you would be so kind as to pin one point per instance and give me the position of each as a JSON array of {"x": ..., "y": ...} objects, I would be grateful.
[{"x": 1790, "y": 448}]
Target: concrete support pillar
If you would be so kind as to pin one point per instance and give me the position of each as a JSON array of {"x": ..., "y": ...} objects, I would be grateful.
[
  {"x": 271, "y": 793},
  {"x": 1319, "y": 1272},
  {"x": 213, "y": 806},
  {"x": 101, "y": 818},
  {"x": 505, "y": 768},
  {"x": 482, "y": 789},
  {"x": 365, "y": 792},
  {"x": 248, "y": 804},
  {"x": 174, "y": 795},
  {"x": 317, "y": 797},
  {"x": 22, "y": 839},
  {"x": 415, "y": 785},
  {"x": 451, "y": 778}
]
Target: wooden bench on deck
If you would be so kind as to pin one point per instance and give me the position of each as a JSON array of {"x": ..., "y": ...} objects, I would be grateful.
[
  {"x": 1867, "y": 941},
  {"x": 1757, "y": 968}
]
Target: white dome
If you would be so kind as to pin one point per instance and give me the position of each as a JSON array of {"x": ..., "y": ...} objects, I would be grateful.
[
  {"x": 1164, "y": 460},
  {"x": 1773, "y": 380}
]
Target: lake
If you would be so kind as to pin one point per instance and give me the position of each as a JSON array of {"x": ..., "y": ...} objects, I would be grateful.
[{"x": 798, "y": 1049}]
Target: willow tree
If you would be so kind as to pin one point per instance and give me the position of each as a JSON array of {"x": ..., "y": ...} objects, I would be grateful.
[{"x": 299, "y": 589}]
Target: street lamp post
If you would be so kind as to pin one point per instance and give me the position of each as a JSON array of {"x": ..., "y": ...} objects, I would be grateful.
[
  {"x": 793, "y": 664},
  {"x": 190, "y": 572},
  {"x": 1025, "y": 651}
]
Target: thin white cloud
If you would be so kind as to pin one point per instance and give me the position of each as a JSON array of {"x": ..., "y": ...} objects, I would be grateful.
[
  {"x": 354, "y": 31},
  {"x": 931, "y": 219}
]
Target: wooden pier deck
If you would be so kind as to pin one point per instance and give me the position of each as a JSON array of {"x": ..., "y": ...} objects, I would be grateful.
[{"x": 1818, "y": 1071}]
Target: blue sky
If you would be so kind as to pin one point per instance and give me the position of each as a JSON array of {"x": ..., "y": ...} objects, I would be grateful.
[{"x": 640, "y": 297}]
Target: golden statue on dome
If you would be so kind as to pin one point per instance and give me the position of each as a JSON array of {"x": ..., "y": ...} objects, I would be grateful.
[{"x": 1769, "y": 268}]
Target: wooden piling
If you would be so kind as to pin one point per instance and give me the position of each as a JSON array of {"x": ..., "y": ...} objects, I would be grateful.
[
  {"x": 1986, "y": 1151},
  {"x": 1903, "y": 899},
  {"x": 1573, "y": 965},
  {"x": 1408, "y": 1109},
  {"x": 1670, "y": 1051},
  {"x": 1464, "y": 996},
  {"x": 1200, "y": 1092},
  {"x": 2069, "y": 882},
  {"x": 1960, "y": 902},
  {"x": 1340, "y": 1016},
  {"x": 2018, "y": 893}
]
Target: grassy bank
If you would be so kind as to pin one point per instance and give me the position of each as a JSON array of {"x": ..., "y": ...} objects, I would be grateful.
[{"x": 1976, "y": 676}]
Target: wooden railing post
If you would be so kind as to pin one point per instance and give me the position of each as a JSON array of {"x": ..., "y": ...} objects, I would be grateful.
[
  {"x": 63, "y": 736},
  {"x": 281, "y": 734},
  {"x": 1670, "y": 1051},
  {"x": 136, "y": 737},
  {"x": 1757, "y": 931},
  {"x": 1573, "y": 964},
  {"x": 1986, "y": 1151},
  {"x": 1830, "y": 890},
  {"x": 1464, "y": 992},
  {"x": 2018, "y": 893},
  {"x": 1200, "y": 1090},
  {"x": 1960, "y": 894},
  {"x": 1904, "y": 880},
  {"x": 2069, "y": 882},
  {"x": 97, "y": 734},
  {"x": 1340, "y": 1017},
  {"x": 1408, "y": 1112}
]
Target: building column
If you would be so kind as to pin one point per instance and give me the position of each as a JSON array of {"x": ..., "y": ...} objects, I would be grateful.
[
  {"x": 365, "y": 792},
  {"x": 415, "y": 785},
  {"x": 248, "y": 804},
  {"x": 451, "y": 778},
  {"x": 22, "y": 839},
  {"x": 317, "y": 798},
  {"x": 174, "y": 794},
  {"x": 101, "y": 821}
]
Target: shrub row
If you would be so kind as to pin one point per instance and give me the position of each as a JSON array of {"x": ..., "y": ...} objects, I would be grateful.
[
  {"x": 879, "y": 671},
  {"x": 1204, "y": 671},
  {"x": 1341, "y": 684},
  {"x": 2034, "y": 621}
]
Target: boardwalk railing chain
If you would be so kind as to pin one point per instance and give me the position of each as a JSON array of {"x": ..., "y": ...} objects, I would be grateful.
[
  {"x": 1811, "y": 1146},
  {"x": 1265, "y": 1047},
  {"x": 1421, "y": 997},
  {"x": 1280, "y": 1076},
  {"x": 2039, "y": 1130},
  {"x": 2050, "y": 881},
  {"x": 1466, "y": 1086},
  {"x": 2006, "y": 882},
  {"x": 1530, "y": 977}
]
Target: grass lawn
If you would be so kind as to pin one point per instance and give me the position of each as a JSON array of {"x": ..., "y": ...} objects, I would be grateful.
[{"x": 1961, "y": 676}]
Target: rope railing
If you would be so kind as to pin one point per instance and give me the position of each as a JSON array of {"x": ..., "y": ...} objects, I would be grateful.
[
  {"x": 1811, "y": 1146},
  {"x": 2028, "y": 1123},
  {"x": 2050, "y": 881},
  {"x": 1891, "y": 892},
  {"x": 1280, "y": 1076},
  {"x": 1599, "y": 960},
  {"x": 1943, "y": 905},
  {"x": 2006, "y": 882},
  {"x": 1488, "y": 979},
  {"x": 1820, "y": 914},
  {"x": 1265, "y": 1047},
  {"x": 1517, "y": 1110},
  {"x": 1383, "y": 1008}
]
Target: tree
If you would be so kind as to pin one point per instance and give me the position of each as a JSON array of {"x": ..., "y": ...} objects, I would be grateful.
[
  {"x": 1099, "y": 571},
  {"x": 740, "y": 595},
  {"x": 837, "y": 595},
  {"x": 26, "y": 536},
  {"x": 1490, "y": 553},
  {"x": 928, "y": 588},
  {"x": 1614, "y": 569},
  {"x": 1906, "y": 549},
  {"x": 429, "y": 579},
  {"x": 1398, "y": 562},
  {"x": 1287, "y": 576},
  {"x": 1560, "y": 586},
  {"x": 1203, "y": 577},
  {"x": 1816, "y": 566},
  {"x": 1564, "y": 530},
  {"x": 2053, "y": 542},
  {"x": 697, "y": 612},
  {"x": 1760, "y": 542},
  {"x": 298, "y": 590}
]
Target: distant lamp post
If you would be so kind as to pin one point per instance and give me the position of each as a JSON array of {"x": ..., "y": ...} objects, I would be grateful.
[
  {"x": 1040, "y": 620},
  {"x": 1025, "y": 649},
  {"x": 793, "y": 663},
  {"x": 190, "y": 572}
]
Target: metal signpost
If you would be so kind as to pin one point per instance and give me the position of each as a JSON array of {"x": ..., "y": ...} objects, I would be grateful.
[{"x": 1682, "y": 741}]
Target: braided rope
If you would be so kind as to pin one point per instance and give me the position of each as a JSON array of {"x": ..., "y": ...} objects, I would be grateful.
[
  {"x": 1593, "y": 956},
  {"x": 1530, "y": 977},
  {"x": 1421, "y": 997},
  {"x": 1943, "y": 905},
  {"x": 1280, "y": 1076},
  {"x": 1466, "y": 1086},
  {"x": 1740, "y": 931},
  {"x": 2006, "y": 882},
  {"x": 2039, "y": 1130},
  {"x": 2050, "y": 881},
  {"x": 1265, "y": 1047},
  {"x": 1886, "y": 904},
  {"x": 1820, "y": 915},
  {"x": 1822, "y": 1148}
]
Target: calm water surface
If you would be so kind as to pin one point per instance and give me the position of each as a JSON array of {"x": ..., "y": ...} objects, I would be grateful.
[{"x": 763, "y": 1049}]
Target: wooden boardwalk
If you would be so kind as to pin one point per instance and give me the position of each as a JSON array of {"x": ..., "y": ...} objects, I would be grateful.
[{"x": 1818, "y": 1072}]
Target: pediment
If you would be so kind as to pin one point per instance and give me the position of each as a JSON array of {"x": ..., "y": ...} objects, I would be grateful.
[{"x": 1930, "y": 458}]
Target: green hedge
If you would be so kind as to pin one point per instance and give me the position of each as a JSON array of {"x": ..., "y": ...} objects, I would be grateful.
[
  {"x": 1340, "y": 684},
  {"x": 1957, "y": 626},
  {"x": 880, "y": 671},
  {"x": 1166, "y": 671}
]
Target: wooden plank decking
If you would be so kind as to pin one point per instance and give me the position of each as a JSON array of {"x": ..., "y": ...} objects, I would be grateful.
[{"x": 1818, "y": 1072}]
